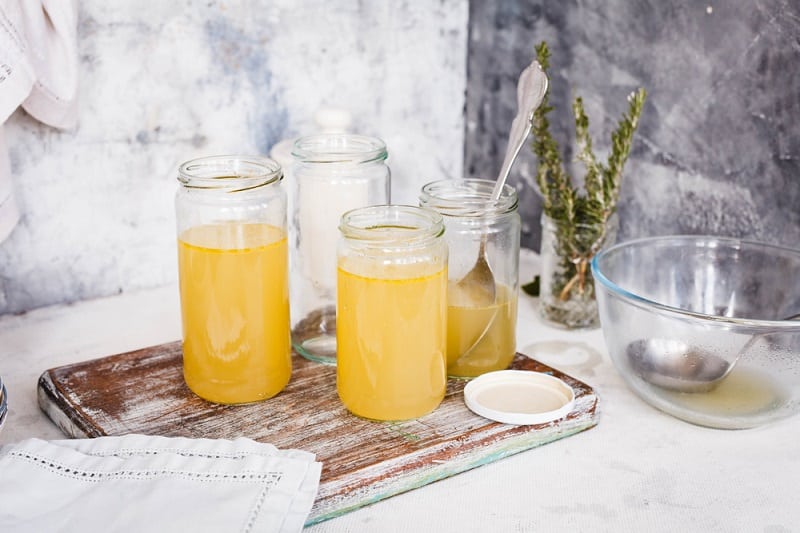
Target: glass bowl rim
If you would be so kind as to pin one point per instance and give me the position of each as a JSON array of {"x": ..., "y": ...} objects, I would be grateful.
[{"x": 652, "y": 305}]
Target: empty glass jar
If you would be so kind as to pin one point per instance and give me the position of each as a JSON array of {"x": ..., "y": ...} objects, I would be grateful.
[
  {"x": 391, "y": 312},
  {"x": 482, "y": 309},
  {"x": 333, "y": 173},
  {"x": 233, "y": 273}
]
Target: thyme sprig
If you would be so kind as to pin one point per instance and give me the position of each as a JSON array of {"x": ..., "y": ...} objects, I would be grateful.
[{"x": 581, "y": 217}]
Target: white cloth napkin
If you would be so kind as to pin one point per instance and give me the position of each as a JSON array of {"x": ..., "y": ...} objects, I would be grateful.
[
  {"x": 38, "y": 70},
  {"x": 146, "y": 483}
]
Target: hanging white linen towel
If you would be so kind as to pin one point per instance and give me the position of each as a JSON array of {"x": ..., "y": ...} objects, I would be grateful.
[{"x": 38, "y": 70}]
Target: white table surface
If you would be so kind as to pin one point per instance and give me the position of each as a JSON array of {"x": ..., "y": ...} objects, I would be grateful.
[{"x": 637, "y": 470}]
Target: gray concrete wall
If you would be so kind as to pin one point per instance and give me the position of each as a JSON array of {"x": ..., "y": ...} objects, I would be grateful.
[{"x": 718, "y": 148}]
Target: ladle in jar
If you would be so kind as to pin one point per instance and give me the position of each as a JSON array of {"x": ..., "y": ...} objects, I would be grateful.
[
  {"x": 675, "y": 365},
  {"x": 479, "y": 281}
]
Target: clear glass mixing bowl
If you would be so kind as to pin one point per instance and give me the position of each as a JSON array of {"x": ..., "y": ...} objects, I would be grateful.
[{"x": 679, "y": 312}]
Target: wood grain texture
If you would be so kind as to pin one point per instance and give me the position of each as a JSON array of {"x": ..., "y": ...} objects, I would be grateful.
[{"x": 363, "y": 461}]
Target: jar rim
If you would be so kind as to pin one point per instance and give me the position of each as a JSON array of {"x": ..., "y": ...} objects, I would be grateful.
[
  {"x": 229, "y": 173},
  {"x": 470, "y": 197},
  {"x": 391, "y": 225},
  {"x": 339, "y": 148}
]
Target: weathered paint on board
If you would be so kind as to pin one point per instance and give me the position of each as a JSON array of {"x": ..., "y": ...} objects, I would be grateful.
[{"x": 363, "y": 461}]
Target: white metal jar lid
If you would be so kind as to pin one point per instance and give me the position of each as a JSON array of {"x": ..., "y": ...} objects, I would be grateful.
[{"x": 519, "y": 397}]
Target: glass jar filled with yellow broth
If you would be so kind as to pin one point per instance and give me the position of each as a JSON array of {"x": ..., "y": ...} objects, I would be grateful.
[
  {"x": 233, "y": 277},
  {"x": 391, "y": 307},
  {"x": 481, "y": 316}
]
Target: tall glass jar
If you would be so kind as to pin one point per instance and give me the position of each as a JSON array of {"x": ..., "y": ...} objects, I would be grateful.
[
  {"x": 233, "y": 273},
  {"x": 333, "y": 173},
  {"x": 392, "y": 312},
  {"x": 482, "y": 310}
]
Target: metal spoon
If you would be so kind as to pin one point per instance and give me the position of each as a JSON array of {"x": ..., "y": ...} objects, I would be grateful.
[
  {"x": 676, "y": 365},
  {"x": 479, "y": 281}
]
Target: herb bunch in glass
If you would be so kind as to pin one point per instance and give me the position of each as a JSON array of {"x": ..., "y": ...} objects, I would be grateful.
[{"x": 577, "y": 223}]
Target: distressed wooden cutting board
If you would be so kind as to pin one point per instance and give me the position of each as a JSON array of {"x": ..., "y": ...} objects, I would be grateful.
[{"x": 363, "y": 461}]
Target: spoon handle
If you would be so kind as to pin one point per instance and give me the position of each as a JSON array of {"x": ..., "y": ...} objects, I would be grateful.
[{"x": 531, "y": 89}]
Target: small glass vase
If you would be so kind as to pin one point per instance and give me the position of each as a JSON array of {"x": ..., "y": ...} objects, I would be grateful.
[{"x": 566, "y": 295}]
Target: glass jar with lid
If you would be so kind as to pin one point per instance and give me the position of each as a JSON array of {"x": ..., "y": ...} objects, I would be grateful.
[
  {"x": 391, "y": 312},
  {"x": 333, "y": 173},
  {"x": 481, "y": 325},
  {"x": 233, "y": 277}
]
